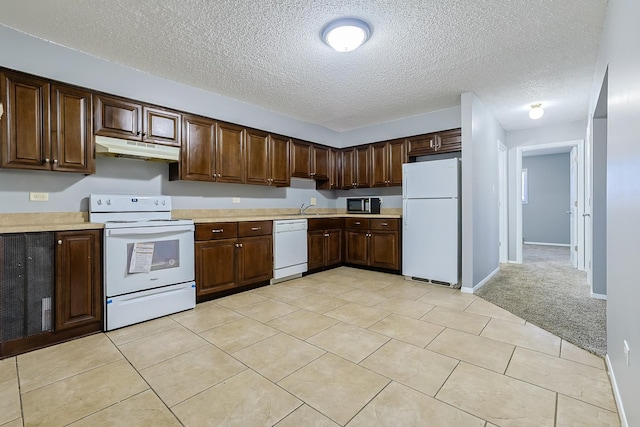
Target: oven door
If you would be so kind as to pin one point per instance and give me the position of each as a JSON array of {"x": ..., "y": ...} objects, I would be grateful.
[{"x": 140, "y": 258}]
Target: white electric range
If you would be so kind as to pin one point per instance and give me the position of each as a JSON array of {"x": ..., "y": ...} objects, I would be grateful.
[{"x": 148, "y": 258}]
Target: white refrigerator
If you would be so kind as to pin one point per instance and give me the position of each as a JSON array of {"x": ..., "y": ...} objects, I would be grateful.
[{"x": 431, "y": 221}]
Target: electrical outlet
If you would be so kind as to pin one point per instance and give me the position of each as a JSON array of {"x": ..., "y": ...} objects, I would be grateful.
[
  {"x": 38, "y": 197},
  {"x": 235, "y": 200},
  {"x": 313, "y": 201},
  {"x": 626, "y": 351}
]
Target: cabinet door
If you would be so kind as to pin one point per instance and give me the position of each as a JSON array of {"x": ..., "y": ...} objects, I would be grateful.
[
  {"x": 333, "y": 247},
  {"x": 300, "y": 159},
  {"x": 315, "y": 249},
  {"x": 258, "y": 168},
  {"x": 348, "y": 178},
  {"x": 363, "y": 166},
  {"x": 384, "y": 249},
  {"x": 397, "y": 156},
  {"x": 197, "y": 150},
  {"x": 117, "y": 118},
  {"x": 25, "y": 139},
  {"x": 356, "y": 247},
  {"x": 379, "y": 165},
  {"x": 279, "y": 161},
  {"x": 230, "y": 160},
  {"x": 255, "y": 259},
  {"x": 421, "y": 145},
  {"x": 161, "y": 126},
  {"x": 215, "y": 266},
  {"x": 72, "y": 146},
  {"x": 320, "y": 163},
  {"x": 449, "y": 141},
  {"x": 78, "y": 279}
]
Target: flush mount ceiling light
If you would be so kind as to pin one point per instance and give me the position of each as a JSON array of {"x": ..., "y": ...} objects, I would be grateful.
[
  {"x": 346, "y": 34},
  {"x": 536, "y": 111}
]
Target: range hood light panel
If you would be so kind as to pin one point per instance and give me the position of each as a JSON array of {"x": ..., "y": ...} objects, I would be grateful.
[{"x": 114, "y": 147}]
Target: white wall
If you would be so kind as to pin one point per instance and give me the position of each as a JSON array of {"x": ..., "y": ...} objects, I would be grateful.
[
  {"x": 68, "y": 192},
  {"x": 448, "y": 118},
  {"x": 480, "y": 234},
  {"x": 544, "y": 217},
  {"x": 619, "y": 52},
  {"x": 519, "y": 138}
]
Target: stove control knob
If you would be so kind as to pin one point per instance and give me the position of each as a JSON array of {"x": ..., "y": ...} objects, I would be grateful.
[
  {"x": 108, "y": 201},
  {"x": 99, "y": 202},
  {"x": 156, "y": 202},
  {"x": 164, "y": 202}
]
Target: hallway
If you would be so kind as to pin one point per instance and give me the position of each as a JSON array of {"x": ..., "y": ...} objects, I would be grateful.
[{"x": 548, "y": 292}]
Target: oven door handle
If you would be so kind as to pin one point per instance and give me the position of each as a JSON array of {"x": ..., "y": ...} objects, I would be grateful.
[{"x": 172, "y": 229}]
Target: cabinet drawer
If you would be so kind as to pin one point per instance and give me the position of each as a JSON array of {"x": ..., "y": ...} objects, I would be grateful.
[
  {"x": 356, "y": 223},
  {"x": 254, "y": 228},
  {"x": 216, "y": 230},
  {"x": 325, "y": 223},
  {"x": 390, "y": 224}
]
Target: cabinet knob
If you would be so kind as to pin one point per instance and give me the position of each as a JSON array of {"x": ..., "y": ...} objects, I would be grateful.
[
  {"x": 256, "y": 228},
  {"x": 384, "y": 224},
  {"x": 357, "y": 223},
  {"x": 138, "y": 133},
  {"x": 59, "y": 242},
  {"x": 217, "y": 230},
  {"x": 240, "y": 244},
  {"x": 55, "y": 161},
  {"x": 46, "y": 160}
]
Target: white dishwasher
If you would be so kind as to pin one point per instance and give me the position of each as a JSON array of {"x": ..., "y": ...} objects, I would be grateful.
[{"x": 289, "y": 249}]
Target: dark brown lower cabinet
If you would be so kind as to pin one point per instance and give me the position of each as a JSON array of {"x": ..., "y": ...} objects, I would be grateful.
[
  {"x": 78, "y": 288},
  {"x": 373, "y": 242},
  {"x": 232, "y": 255},
  {"x": 324, "y": 242},
  {"x": 50, "y": 288}
]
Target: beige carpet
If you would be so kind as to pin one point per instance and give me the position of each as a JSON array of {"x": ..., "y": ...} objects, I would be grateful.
[{"x": 548, "y": 292}]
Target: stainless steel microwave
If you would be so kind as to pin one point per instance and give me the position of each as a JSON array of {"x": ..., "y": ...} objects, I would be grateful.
[{"x": 367, "y": 205}]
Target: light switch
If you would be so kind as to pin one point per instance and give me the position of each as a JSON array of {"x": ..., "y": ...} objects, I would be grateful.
[{"x": 236, "y": 200}]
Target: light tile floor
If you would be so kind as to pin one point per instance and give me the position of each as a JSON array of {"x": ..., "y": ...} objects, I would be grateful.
[{"x": 343, "y": 347}]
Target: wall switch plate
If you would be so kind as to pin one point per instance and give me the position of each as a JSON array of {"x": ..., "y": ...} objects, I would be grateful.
[
  {"x": 313, "y": 201},
  {"x": 626, "y": 351},
  {"x": 38, "y": 197},
  {"x": 235, "y": 200}
]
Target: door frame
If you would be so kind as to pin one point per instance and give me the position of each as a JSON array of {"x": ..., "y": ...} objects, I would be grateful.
[
  {"x": 503, "y": 202},
  {"x": 581, "y": 194}
]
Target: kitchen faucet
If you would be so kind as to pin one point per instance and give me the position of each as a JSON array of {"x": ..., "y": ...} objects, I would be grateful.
[{"x": 302, "y": 208}]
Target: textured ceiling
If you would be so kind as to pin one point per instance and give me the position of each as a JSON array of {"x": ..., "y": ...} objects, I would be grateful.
[{"x": 421, "y": 57}]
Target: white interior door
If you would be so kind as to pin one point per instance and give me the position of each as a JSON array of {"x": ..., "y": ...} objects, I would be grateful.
[{"x": 573, "y": 207}]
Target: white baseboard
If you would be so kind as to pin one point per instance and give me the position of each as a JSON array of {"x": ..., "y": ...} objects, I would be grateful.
[
  {"x": 565, "y": 245},
  {"x": 616, "y": 393},
  {"x": 481, "y": 283},
  {"x": 513, "y": 262},
  {"x": 598, "y": 296}
]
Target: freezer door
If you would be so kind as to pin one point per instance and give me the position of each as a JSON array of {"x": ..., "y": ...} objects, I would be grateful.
[
  {"x": 430, "y": 239},
  {"x": 430, "y": 179}
]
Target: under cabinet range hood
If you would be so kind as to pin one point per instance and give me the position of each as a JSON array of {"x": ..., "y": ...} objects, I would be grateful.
[{"x": 114, "y": 147}]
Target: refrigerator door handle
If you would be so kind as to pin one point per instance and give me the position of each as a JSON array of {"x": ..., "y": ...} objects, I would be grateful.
[
  {"x": 405, "y": 215},
  {"x": 405, "y": 183}
]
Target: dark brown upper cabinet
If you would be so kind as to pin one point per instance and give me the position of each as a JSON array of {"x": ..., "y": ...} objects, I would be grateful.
[
  {"x": 26, "y": 140},
  {"x": 356, "y": 167},
  {"x": 386, "y": 163},
  {"x": 267, "y": 159},
  {"x": 120, "y": 118},
  {"x": 309, "y": 160},
  {"x": 435, "y": 143},
  {"x": 45, "y": 127}
]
